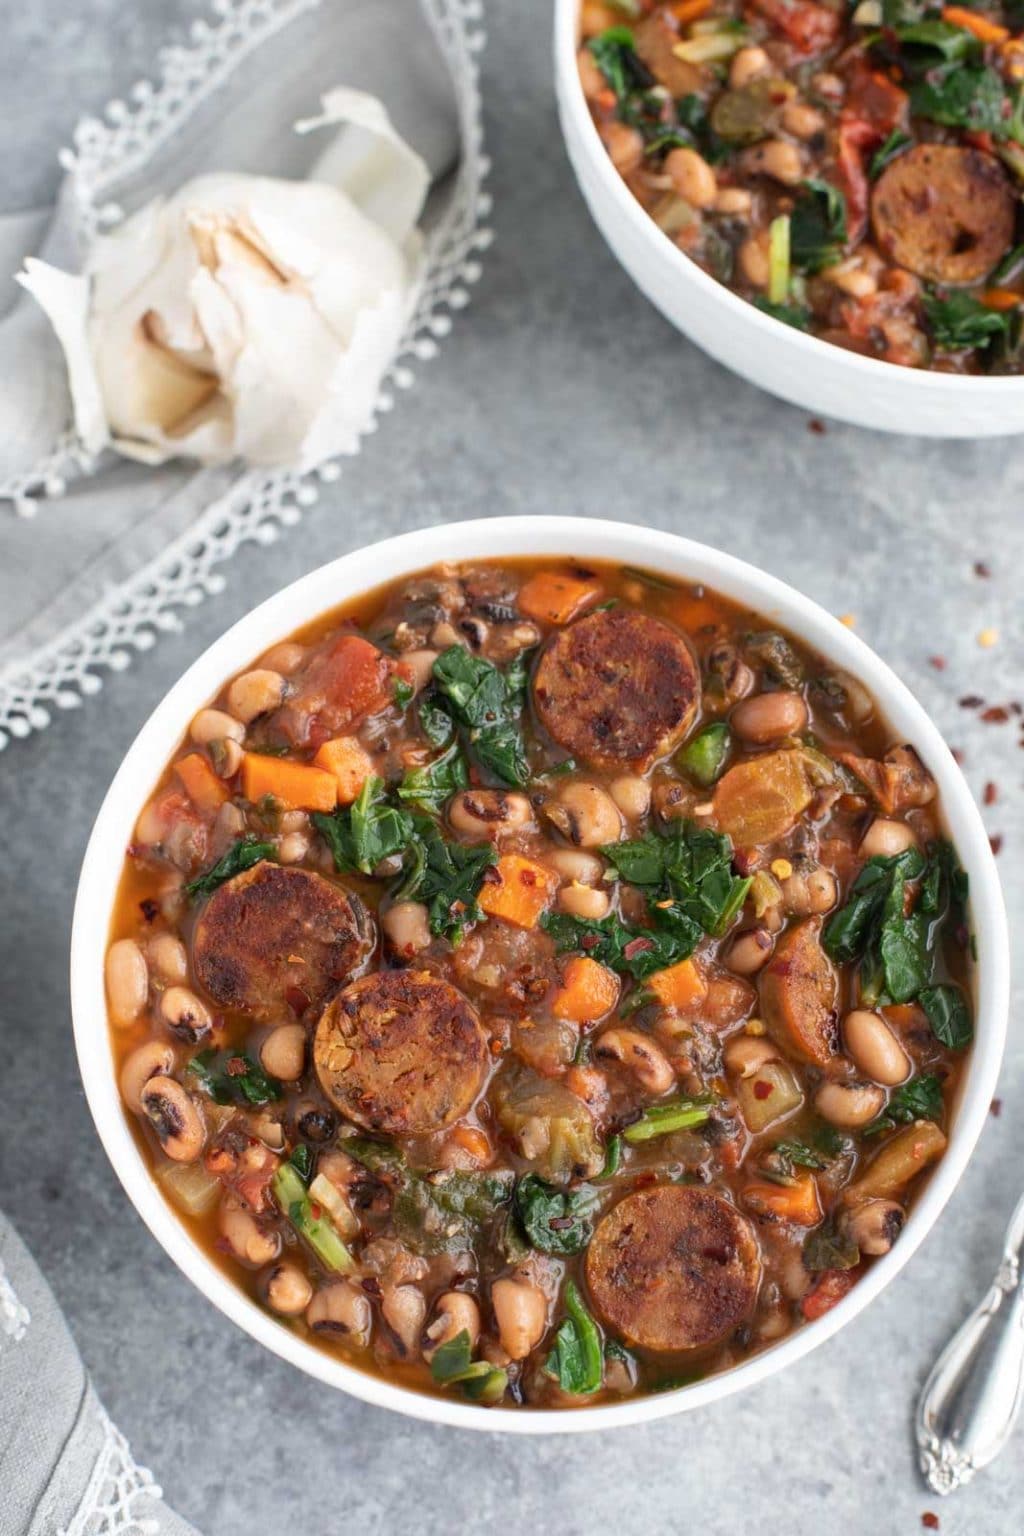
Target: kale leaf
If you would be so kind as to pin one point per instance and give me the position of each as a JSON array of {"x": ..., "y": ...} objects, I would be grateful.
[
  {"x": 231, "y": 1077},
  {"x": 920, "y": 1099},
  {"x": 948, "y": 1015},
  {"x": 817, "y": 226},
  {"x": 240, "y": 856},
  {"x": 555, "y": 1220},
  {"x": 446, "y": 877},
  {"x": 430, "y": 786},
  {"x": 487, "y": 703},
  {"x": 959, "y": 320},
  {"x": 577, "y": 1360},
  {"x": 363, "y": 834}
]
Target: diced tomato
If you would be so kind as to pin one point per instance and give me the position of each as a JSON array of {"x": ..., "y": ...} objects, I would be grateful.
[
  {"x": 809, "y": 27},
  {"x": 827, "y": 1292},
  {"x": 856, "y": 138},
  {"x": 872, "y": 98},
  {"x": 342, "y": 686},
  {"x": 875, "y": 107},
  {"x": 979, "y": 140}
]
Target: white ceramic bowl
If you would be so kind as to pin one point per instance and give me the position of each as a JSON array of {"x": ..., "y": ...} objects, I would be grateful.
[
  {"x": 345, "y": 578},
  {"x": 821, "y": 377}
]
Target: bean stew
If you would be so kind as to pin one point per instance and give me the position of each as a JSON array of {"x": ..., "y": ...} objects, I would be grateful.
[
  {"x": 541, "y": 983},
  {"x": 854, "y": 170}
]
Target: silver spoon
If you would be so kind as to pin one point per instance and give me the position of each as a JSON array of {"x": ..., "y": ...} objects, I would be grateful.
[{"x": 974, "y": 1393}]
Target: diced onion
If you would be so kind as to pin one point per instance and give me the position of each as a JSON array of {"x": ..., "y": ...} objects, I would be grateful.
[
  {"x": 704, "y": 49},
  {"x": 868, "y": 14},
  {"x": 189, "y": 1186},
  {"x": 329, "y": 1196}
]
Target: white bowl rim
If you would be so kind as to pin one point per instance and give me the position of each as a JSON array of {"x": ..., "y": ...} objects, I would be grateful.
[
  {"x": 361, "y": 570},
  {"x": 926, "y": 380}
]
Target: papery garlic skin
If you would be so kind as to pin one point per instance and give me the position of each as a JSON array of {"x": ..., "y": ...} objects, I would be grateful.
[{"x": 246, "y": 316}]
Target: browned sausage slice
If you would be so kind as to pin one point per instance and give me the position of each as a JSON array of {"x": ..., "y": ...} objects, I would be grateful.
[
  {"x": 617, "y": 687},
  {"x": 275, "y": 938},
  {"x": 401, "y": 1051},
  {"x": 944, "y": 211},
  {"x": 673, "y": 1267},
  {"x": 799, "y": 995}
]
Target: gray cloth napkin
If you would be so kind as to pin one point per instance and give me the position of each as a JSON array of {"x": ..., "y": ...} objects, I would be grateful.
[
  {"x": 64, "y": 1469},
  {"x": 107, "y": 527}
]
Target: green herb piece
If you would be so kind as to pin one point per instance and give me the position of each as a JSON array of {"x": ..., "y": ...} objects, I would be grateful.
[
  {"x": 301, "y": 1160},
  {"x": 948, "y": 1015},
  {"x": 636, "y": 952},
  {"x": 648, "y": 578},
  {"x": 231, "y": 1077},
  {"x": 962, "y": 96},
  {"x": 487, "y": 703},
  {"x": 362, "y": 835},
  {"x": 436, "y": 723},
  {"x": 703, "y": 758},
  {"x": 894, "y": 146},
  {"x": 799, "y": 1154},
  {"x": 432, "y": 785},
  {"x": 817, "y": 232},
  {"x": 240, "y": 856},
  {"x": 959, "y": 320},
  {"x": 778, "y": 259},
  {"x": 830, "y": 1141},
  {"x": 453, "y": 1364},
  {"x": 674, "y": 1115},
  {"x": 612, "y": 1160},
  {"x": 555, "y": 1220},
  {"x": 847, "y": 931},
  {"x": 691, "y": 868},
  {"x": 616, "y": 58},
  {"x": 788, "y": 314},
  {"x": 317, "y": 1230},
  {"x": 827, "y": 1248},
  {"x": 432, "y": 1213},
  {"x": 446, "y": 877},
  {"x": 577, "y": 1360},
  {"x": 927, "y": 43},
  {"x": 404, "y": 693},
  {"x": 920, "y": 1099}
]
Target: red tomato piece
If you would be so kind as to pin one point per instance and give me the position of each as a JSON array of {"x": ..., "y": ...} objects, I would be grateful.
[
  {"x": 341, "y": 686},
  {"x": 827, "y": 1292},
  {"x": 809, "y": 27}
]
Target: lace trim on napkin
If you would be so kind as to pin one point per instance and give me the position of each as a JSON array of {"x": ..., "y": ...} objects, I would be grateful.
[
  {"x": 115, "y": 1484},
  {"x": 258, "y": 505}
]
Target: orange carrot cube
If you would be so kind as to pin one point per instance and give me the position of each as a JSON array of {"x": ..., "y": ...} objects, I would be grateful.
[
  {"x": 517, "y": 890},
  {"x": 350, "y": 763},
  {"x": 296, "y": 786}
]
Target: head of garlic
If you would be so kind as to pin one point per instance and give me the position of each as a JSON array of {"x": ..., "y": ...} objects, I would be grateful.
[{"x": 248, "y": 317}]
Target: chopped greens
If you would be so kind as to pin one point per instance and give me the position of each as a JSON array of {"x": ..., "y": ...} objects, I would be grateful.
[
  {"x": 309, "y": 1220},
  {"x": 446, "y": 877},
  {"x": 577, "y": 1360},
  {"x": 959, "y": 320},
  {"x": 894, "y": 145},
  {"x": 920, "y": 1099},
  {"x": 438, "y": 1212},
  {"x": 827, "y": 1248},
  {"x": 232, "y": 1077},
  {"x": 788, "y": 314},
  {"x": 555, "y": 1220},
  {"x": 487, "y": 703},
  {"x": 404, "y": 693},
  {"x": 436, "y": 723},
  {"x": 817, "y": 232},
  {"x": 798, "y": 1154},
  {"x": 691, "y": 872},
  {"x": 430, "y": 786},
  {"x": 453, "y": 1364},
  {"x": 362, "y": 835},
  {"x": 962, "y": 96},
  {"x": 672, "y": 1115},
  {"x": 616, "y": 58},
  {"x": 240, "y": 856},
  {"x": 948, "y": 1015},
  {"x": 637, "y": 952}
]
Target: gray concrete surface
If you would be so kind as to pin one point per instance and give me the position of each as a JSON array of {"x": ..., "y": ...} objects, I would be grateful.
[{"x": 560, "y": 390}]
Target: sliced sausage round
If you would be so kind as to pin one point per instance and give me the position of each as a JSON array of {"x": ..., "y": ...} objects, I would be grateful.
[
  {"x": 799, "y": 995},
  {"x": 277, "y": 938},
  {"x": 617, "y": 688},
  {"x": 945, "y": 212},
  {"x": 673, "y": 1267},
  {"x": 401, "y": 1051}
]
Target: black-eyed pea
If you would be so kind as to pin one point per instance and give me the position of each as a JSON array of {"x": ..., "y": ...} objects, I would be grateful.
[
  {"x": 288, "y": 1289},
  {"x": 625, "y": 146},
  {"x": 185, "y": 1014},
  {"x": 768, "y": 717},
  {"x": 245, "y": 1237},
  {"x": 127, "y": 979},
  {"x": 632, "y": 795},
  {"x": 255, "y": 693},
  {"x": 175, "y": 1118},
  {"x": 640, "y": 1055},
  {"x": 155, "y": 1058},
  {"x": 406, "y": 926},
  {"x": 283, "y": 1052},
  {"x": 777, "y": 158},
  {"x": 456, "y": 1312},
  {"x": 341, "y": 1309},
  {"x": 215, "y": 725},
  {"x": 874, "y": 1049},
  {"x": 521, "y": 1312},
  {"x": 588, "y": 902},
  {"x": 574, "y": 864},
  {"x": 884, "y": 838},
  {"x": 168, "y": 957},
  {"x": 874, "y": 1225},
  {"x": 692, "y": 177},
  {"x": 285, "y": 658},
  {"x": 849, "y": 1105},
  {"x": 586, "y": 815},
  {"x": 747, "y": 64},
  {"x": 749, "y": 951},
  {"x": 734, "y": 202},
  {"x": 753, "y": 259},
  {"x": 405, "y": 1311},
  {"x": 801, "y": 120}
]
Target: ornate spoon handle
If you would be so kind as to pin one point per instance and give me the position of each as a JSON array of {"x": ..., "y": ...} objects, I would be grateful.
[{"x": 974, "y": 1393}]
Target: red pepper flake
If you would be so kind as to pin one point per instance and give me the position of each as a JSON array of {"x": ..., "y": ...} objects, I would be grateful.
[
  {"x": 637, "y": 947},
  {"x": 762, "y": 1089},
  {"x": 971, "y": 701},
  {"x": 527, "y": 877},
  {"x": 996, "y": 1108},
  {"x": 928, "y": 1520},
  {"x": 237, "y": 1066},
  {"x": 589, "y": 940},
  {"x": 817, "y": 427},
  {"x": 996, "y": 714},
  {"x": 991, "y": 793},
  {"x": 984, "y": 570},
  {"x": 995, "y": 842},
  {"x": 315, "y": 1210},
  {"x": 938, "y": 662}
]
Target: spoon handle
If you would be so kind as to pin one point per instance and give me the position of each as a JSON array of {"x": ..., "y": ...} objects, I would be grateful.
[{"x": 974, "y": 1393}]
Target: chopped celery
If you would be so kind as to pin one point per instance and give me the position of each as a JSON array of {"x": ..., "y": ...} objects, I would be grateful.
[
  {"x": 778, "y": 260},
  {"x": 675, "y": 1115},
  {"x": 292, "y": 1196},
  {"x": 703, "y": 758}
]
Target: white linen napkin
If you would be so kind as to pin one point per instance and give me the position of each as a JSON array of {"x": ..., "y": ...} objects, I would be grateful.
[{"x": 104, "y": 566}]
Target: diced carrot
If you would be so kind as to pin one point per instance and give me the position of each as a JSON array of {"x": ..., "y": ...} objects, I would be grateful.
[
  {"x": 904, "y": 1016},
  {"x": 206, "y": 791},
  {"x": 828, "y": 1292},
  {"x": 351, "y": 764},
  {"x": 588, "y": 991},
  {"x": 680, "y": 986},
  {"x": 1001, "y": 298},
  {"x": 296, "y": 786},
  {"x": 797, "y": 1202},
  {"x": 987, "y": 31},
  {"x": 686, "y": 11},
  {"x": 759, "y": 799},
  {"x": 517, "y": 890},
  {"x": 472, "y": 1142},
  {"x": 554, "y": 598}
]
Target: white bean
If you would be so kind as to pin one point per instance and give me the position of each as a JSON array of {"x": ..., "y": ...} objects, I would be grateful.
[
  {"x": 874, "y": 1048},
  {"x": 127, "y": 977},
  {"x": 255, "y": 693}
]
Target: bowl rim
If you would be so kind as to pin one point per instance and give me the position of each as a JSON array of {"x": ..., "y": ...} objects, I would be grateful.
[
  {"x": 870, "y": 369},
  {"x": 361, "y": 570}
]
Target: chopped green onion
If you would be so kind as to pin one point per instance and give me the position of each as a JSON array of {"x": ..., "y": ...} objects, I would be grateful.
[
  {"x": 703, "y": 758},
  {"x": 677, "y": 1115},
  {"x": 293, "y": 1198},
  {"x": 778, "y": 260}
]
